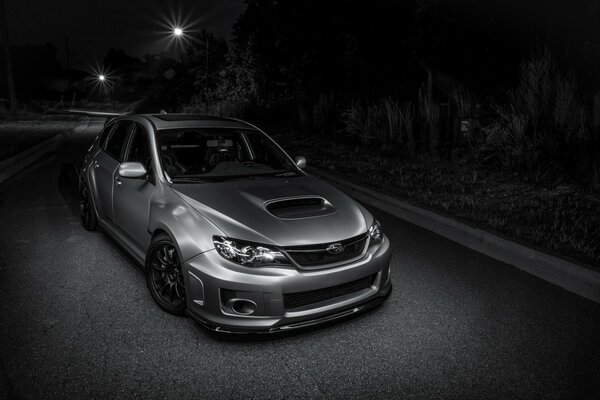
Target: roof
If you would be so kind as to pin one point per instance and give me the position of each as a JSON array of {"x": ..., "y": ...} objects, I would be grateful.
[{"x": 174, "y": 121}]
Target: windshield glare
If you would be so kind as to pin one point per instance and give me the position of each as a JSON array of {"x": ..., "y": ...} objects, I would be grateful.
[{"x": 219, "y": 153}]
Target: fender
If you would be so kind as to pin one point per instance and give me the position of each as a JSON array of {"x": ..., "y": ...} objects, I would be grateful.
[{"x": 189, "y": 229}]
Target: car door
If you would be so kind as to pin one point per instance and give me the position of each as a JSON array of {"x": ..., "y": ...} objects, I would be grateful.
[
  {"x": 104, "y": 168},
  {"x": 131, "y": 197}
]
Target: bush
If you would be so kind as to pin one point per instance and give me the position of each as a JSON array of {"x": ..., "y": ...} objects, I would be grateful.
[
  {"x": 325, "y": 113},
  {"x": 547, "y": 123},
  {"x": 506, "y": 137},
  {"x": 412, "y": 127},
  {"x": 386, "y": 122}
]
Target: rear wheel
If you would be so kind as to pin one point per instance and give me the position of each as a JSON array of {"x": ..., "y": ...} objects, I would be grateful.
[
  {"x": 164, "y": 275},
  {"x": 86, "y": 209}
]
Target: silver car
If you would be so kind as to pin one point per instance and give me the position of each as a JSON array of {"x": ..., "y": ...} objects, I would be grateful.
[{"x": 229, "y": 228}]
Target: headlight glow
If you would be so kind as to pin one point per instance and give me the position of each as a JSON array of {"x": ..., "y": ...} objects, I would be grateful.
[
  {"x": 375, "y": 233},
  {"x": 248, "y": 254}
]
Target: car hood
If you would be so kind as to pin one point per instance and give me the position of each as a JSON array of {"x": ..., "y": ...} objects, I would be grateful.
[{"x": 239, "y": 209}]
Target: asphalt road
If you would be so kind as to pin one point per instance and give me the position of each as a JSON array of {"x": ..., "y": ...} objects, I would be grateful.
[{"x": 77, "y": 322}]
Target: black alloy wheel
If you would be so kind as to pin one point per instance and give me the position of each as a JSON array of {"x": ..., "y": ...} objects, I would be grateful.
[{"x": 165, "y": 276}]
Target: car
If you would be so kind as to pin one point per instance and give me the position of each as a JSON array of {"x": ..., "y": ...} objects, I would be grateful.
[{"x": 229, "y": 228}]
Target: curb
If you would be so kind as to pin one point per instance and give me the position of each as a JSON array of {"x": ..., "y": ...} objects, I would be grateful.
[
  {"x": 20, "y": 161},
  {"x": 568, "y": 275}
]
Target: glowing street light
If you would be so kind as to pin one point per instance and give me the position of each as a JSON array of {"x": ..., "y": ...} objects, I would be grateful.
[{"x": 177, "y": 31}]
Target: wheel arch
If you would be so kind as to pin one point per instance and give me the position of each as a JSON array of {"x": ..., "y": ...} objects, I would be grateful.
[
  {"x": 161, "y": 230},
  {"x": 189, "y": 234},
  {"x": 190, "y": 230}
]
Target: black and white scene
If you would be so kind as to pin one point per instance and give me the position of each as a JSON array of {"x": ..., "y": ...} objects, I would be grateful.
[{"x": 300, "y": 199}]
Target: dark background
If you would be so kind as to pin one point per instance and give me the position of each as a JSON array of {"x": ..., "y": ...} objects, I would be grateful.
[{"x": 486, "y": 111}]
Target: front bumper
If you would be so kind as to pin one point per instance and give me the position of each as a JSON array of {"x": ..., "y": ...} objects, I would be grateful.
[{"x": 209, "y": 278}]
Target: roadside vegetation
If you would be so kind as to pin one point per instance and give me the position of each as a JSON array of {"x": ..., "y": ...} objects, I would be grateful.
[{"x": 528, "y": 169}]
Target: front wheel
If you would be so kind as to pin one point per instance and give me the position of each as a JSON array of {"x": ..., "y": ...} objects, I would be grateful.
[{"x": 164, "y": 275}]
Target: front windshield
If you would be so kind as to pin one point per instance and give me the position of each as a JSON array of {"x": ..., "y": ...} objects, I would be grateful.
[{"x": 220, "y": 153}]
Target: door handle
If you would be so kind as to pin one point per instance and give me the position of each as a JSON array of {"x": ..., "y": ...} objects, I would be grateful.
[
  {"x": 96, "y": 164},
  {"x": 118, "y": 181}
]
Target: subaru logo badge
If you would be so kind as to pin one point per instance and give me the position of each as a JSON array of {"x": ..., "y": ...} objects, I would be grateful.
[{"x": 335, "y": 248}]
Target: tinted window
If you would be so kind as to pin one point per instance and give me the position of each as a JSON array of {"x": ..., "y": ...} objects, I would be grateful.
[
  {"x": 104, "y": 134},
  {"x": 220, "y": 152},
  {"x": 116, "y": 140},
  {"x": 139, "y": 150}
]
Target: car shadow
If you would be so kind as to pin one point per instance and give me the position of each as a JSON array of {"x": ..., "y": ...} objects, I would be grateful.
[
  {"x": 322, "y": 328},
  {"x": 68, "y": 187}
]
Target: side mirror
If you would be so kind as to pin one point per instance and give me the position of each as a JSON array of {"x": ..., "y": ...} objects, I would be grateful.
[
  {"x": 300, "y": 161},
  {"x": 134, "y": 170}
]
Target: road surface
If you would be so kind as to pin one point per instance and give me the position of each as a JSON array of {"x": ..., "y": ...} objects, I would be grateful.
[{"x": 78, "y": 322}]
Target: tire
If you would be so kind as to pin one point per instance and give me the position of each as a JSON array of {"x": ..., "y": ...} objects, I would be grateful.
[
  {"x": 87, "y": 212},
  {"x": 164, "y": 275}
]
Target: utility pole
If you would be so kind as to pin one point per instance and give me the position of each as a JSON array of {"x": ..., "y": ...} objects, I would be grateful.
[
  {"x": 9, "y": 72},
  {"x": 206, "y": 79},
  {"x": 68, "y": 56}
]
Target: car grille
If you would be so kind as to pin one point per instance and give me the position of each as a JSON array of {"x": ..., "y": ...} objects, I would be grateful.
[
  {"x": 316, "y": 255},
  {"x": 299, "y": 299}
]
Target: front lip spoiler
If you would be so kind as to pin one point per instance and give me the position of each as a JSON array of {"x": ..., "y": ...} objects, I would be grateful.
[{"x": 345, "y": 313}]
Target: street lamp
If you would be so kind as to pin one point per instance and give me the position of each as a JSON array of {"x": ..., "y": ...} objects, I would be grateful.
[
  {"x": 106, "y": 82},
  {"x": 178, "y": 34}
]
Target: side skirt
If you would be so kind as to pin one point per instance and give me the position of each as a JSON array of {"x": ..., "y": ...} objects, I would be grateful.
[{"x": 138, "y": 255}]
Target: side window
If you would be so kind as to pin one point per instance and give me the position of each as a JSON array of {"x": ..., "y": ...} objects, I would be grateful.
[
  {"x": 116, "y": 140},
  {"x": 104, "y": 134},
  {"x": 139, "y": 150}
]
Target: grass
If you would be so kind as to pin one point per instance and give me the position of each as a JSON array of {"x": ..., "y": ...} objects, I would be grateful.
[{"x": 558, "y": 218}]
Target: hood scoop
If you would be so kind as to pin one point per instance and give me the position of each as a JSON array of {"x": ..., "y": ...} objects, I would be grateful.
[{"x": 299, "y": 207}]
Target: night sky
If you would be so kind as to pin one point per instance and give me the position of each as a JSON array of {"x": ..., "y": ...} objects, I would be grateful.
[{"x": 94, "y": 26}]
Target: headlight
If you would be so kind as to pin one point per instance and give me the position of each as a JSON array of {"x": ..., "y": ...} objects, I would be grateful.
[
  {"x": 375, "y": 233},
  {"x": 248, "y": 254}
]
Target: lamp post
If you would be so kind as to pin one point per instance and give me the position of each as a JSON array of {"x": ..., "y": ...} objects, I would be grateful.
[
  {"x": 206, "y": 78},
  {"x": 9, "y": 71},
  {"x": 109, "y": 85},
  {"x": 179, "y": 33}
]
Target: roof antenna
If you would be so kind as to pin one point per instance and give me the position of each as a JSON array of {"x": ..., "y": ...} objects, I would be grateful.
[{"x": 162, "y": 111}]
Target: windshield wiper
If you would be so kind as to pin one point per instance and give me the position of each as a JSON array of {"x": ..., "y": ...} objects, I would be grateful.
[
  {"x": 286, "y": 174},
  {"x": 187, "y": 179},
  {"x": 223, "y": 178}
]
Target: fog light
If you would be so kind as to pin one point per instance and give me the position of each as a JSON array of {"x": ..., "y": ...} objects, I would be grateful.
[{"x": 241, "y": 306}]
